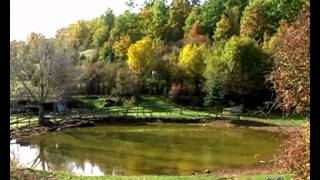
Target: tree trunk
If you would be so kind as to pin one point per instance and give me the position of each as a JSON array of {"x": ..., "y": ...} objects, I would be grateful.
[
  {"x": 141, "y": 85},
  {"x": 196, "y": 87},
  {"x": 41, "y": 118}
]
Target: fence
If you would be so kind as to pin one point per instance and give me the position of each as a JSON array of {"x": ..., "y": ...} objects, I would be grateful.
[{"x": 23, "y": 119}]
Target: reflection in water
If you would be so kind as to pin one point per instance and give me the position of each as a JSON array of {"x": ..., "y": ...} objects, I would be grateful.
[
  {"x": 35, "y": 156},
  {"x": 145, "y": 150}
]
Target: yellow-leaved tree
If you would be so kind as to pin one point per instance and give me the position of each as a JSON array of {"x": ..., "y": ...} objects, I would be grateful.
[
  {"x": 192, "y": 59},
  {"x": 142, "y": 56}
]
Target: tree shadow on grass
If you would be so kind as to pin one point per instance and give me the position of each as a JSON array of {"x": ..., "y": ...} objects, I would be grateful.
[{"x": 249, "y": 123}]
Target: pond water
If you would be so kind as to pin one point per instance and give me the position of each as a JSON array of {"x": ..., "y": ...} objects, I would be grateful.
[{"x": 145, "y": 149}]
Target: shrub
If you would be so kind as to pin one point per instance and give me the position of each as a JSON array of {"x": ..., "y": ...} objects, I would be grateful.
[
  {"x": 128, "y": 103},
  {"x": 93, "y": 97},
  {"x": 295, "y": 154},
  {"x": 109, "y": 103},
  {"x": 126, "y": 84},
  {"x": 175, "y": 90},
  {"x": 118, "y": 101},
  {"x": 214, "y": 93}
]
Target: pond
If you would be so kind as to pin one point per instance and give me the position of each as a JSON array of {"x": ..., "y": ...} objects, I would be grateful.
[{"x": 146, "y": 149}]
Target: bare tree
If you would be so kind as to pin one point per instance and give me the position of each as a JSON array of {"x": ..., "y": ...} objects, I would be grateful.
[{"x": 44, "y": 68}]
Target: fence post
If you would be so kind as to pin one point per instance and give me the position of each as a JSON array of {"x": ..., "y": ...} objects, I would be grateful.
[
  {"x": 17, "y": 120},
  {"x": 197, "y": 111}
]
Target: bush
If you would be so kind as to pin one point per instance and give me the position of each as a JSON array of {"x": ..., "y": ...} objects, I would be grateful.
[
  {"x": 73, "y": 103},
  {"x": 214, "y": 93},
  {"x": 194, "y": 101},
  {"x": 93, "y": 97},
  {"x": 175, "y": 90},
  {"x": 118, "y": 101},
  {"x": 126, "y": 84},
  {"x": 295, "y": 154},
  {"x": 109, "y": 103},
  {"x": 128, "y": 103}
]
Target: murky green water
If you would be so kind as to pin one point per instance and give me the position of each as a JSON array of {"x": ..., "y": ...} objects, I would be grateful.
[{"x": 146, "y": 149}]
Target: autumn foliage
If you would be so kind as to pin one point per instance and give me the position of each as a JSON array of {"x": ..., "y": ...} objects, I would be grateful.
[
  {"x": 175, "y": 90},
  {"x": 294, "y": 155},
  {"x": 195, "y": 35},
  {"x": 290, "y": 75}
]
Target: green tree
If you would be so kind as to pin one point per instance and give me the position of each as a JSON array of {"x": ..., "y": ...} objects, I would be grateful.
[
  {"x": 160, "y": 19},
  {"x": 254, "y": 22},
  {"x": 125, "y": 83},
  {"x": 223, "y": 29},
  {"x": 228, "y": 25},
  {"x": 106, "y": 53},
  {"x": 127, "y": 24},
  {"x": 247, "y": 66},
  {"x": 146, "y": 15},
  {"x": 264, "y": 16},
  {"x": 191, "y": 19},
  {"x": 105, "y": 23},
  {"x": 179, "y": 11},
  {"x": 208, "y": 14},
  {"x": 241, "y": 66},
  {"x": 215, "y": 75},
  {"x": 282, "y": 10}
]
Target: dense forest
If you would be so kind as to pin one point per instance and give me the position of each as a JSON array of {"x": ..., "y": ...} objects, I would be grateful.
[{"x": 209, "y": 54}]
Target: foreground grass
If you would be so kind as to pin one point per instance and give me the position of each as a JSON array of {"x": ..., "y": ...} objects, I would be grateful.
[
  {"x": 36, "y": 174},
  {"x": 253, "y": 177}
]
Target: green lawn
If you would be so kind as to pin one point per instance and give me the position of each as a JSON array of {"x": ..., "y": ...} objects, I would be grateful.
[{"x": 153, "y": 106}]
